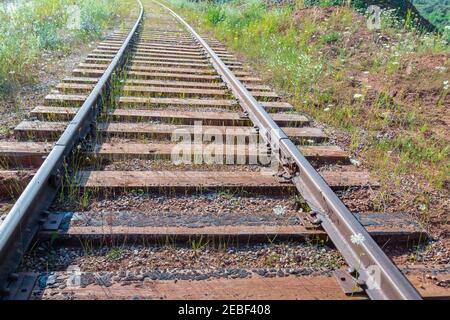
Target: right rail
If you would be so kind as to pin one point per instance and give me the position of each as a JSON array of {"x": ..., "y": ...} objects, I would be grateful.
[{"x": 365, "y": 257}]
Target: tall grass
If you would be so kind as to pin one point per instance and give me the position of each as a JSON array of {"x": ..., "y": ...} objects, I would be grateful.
[
  {"x": 249, "y": 27},
  {"x": 27, "y": 28}
]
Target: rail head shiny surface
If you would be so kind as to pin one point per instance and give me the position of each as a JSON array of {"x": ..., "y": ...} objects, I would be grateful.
[{"x": 339, "y": 223}]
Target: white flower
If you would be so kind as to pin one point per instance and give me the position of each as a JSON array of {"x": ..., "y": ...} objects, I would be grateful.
[
  {"x": 357, "y": 239},
  {"x": 446, "y": 85},
  {"x": 326, "y": 109},
  {"x": 279, "y": 210},
  {"x": 357, "y": 96},
  {"x": 447, "y": 28}
]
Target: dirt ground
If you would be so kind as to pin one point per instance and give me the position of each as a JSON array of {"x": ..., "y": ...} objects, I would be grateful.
[{"x": 416, "y": 86}]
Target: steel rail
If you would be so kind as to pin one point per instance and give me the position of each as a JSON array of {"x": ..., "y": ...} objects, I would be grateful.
[
  {"x": 24, "y": 218},
  {"x": 375, "y": 272}
]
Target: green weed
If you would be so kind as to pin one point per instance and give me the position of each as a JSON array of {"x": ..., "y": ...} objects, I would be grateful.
[{"x": 31, "y": 27}]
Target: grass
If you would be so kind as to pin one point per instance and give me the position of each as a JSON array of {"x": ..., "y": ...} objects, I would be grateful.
[
  {"x": 115, "y": 254},
  {"x": 330, "y": 37},
  {"x": 312, "y": 57},
  {"x": 37, "y": 26},
  {"x": 199, "y": 244}
]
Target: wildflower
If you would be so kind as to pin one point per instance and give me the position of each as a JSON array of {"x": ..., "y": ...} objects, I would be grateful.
[
  {"x": 12, "y": 72},
  {"x": 357, "y": 239},
  {"x": 446, "y": 85},
  {"x": 279, "y": 210},
  {"x": 326, "y": 109},
  {"x": 79, "y": 146},
  {"x": 357, "y": 96}
]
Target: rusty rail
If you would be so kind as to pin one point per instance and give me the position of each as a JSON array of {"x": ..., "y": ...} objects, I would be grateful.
[{"x": 375, "y": 272}]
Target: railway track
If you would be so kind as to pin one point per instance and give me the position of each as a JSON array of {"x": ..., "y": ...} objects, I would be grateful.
[{"x": 161, "y": 161}]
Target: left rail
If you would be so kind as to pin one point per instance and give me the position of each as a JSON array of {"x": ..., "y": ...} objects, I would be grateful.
[{"x": 24, "y": 218}]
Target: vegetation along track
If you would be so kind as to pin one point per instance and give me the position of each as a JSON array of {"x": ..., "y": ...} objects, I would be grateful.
[{"x": 110, "y": 214}]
